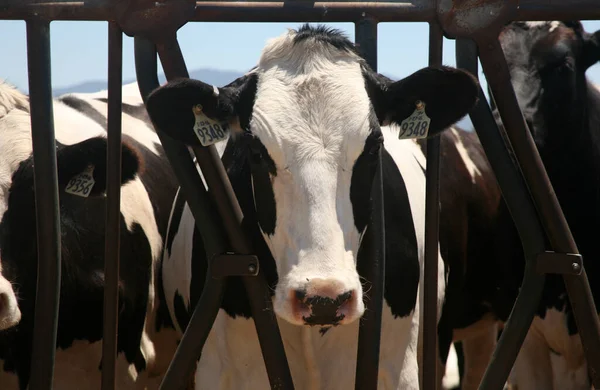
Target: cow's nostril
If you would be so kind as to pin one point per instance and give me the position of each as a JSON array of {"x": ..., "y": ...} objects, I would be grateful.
[
  {"x": 322, "y": 310},
  {"x": 3, "y": 303}
]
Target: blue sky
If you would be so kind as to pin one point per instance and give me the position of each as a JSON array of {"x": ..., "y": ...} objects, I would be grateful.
[{"x": 79, "y": 49}]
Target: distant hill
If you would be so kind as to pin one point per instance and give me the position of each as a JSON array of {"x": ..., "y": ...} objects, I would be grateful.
[{"x": 212, "y": 76}]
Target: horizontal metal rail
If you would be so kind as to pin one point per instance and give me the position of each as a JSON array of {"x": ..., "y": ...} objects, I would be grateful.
[{"x": 296, "y": 11}]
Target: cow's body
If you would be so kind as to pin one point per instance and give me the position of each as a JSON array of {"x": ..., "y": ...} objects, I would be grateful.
[
  {"x": 307, "y": 124},
  {"x": 146, "y": 197},
  {"x": 469, "y": 198}
]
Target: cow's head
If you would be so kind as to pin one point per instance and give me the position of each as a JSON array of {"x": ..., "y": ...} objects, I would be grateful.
[
  {"x": 547, "y": 63},
  {"x": 18, "y": 243},
  {"x": 308, "y": 117}
]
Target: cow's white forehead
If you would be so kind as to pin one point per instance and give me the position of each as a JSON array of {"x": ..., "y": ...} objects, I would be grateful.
[{"x": 311, "y": 101}]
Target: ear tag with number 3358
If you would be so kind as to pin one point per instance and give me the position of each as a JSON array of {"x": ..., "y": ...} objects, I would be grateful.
[
  {"x": 416, "y": 125},
  {"x": 208, "y": 130}
]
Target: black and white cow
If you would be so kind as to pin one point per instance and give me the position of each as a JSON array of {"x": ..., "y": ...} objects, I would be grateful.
[
  {"x": 147, "y": 193},
  {"x": 547, "y": 63},
  {"x": 306, "y": 126}
]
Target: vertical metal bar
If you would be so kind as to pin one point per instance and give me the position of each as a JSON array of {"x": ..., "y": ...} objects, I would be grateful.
[
  {"x": 190, "y": 348},
  {"x": 256, "y": 286},
  {"x": 520, "y": 205},
  {"x": 373, "y": 270},
  {"x": 578, "y": 288},
  {"x": 432, "y": 227},
  {"x": 112, "y": 238},
  {"x": 47, "y": 297}
]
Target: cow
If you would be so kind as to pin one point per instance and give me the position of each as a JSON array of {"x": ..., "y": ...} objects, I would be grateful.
[
  {"x": 147, "y": 191},
  {"x": 547, "y": 62},
  {"x": 305, "y": 128}
]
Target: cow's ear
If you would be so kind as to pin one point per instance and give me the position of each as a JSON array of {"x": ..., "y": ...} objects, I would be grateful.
[
  {"x": 591, "y": 49},
  {"x": 444, "y": 94},
  {"x": 82, "y": 166},
  {"x": 176, "y": 106}
]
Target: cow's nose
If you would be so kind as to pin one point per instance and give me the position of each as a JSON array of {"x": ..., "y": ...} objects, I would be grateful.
[{"x": 323, "y": 310}]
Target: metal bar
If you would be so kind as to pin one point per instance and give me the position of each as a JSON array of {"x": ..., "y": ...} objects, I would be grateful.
[
  {"x": 432, "y": 227},
  {"x": 372, "y": 265},
  {"x": 206, "y": 310},
  {"x": 112, "y": 238},
  {"x": 520, "y": 205},
  {"x": 278, "y": 11},
  {"x": 231, "y": 11},
  {"x": 219, "y": 186},
  {"x": 553, "y": 219},
  {"x": 47, "y": 297}
]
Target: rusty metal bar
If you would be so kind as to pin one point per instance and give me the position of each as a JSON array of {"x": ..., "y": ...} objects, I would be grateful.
[
  {"x": 47, "y": 296},
  {"x": 521, "y": 207},
  {"x": 553, "y": 219},
  {"x": 432, "y": 227},
  {"x": 112, "y": 237},
  {"x": 190, "y": 348},
  {"x": 297, "y": 11},
  {"x": 372, "y": 265},
  {"x": 259, "y": 295}
]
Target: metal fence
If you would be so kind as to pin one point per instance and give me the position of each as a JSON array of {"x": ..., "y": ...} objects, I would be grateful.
[{"x": 154, "y": 24}]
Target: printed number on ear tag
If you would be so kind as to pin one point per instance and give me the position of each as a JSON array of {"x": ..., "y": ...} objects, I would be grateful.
[
  {"x": 208, "y": 130},
  {"x": 82, "y": 183},
  {"x": 416, "y": 125}
]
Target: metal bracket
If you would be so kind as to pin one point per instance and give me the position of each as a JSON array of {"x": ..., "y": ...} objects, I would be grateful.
[
  {"x": 559, "y": 263},
  {"x": 233, "y": 264}
]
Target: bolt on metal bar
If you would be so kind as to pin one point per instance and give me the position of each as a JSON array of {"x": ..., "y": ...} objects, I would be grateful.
[
  {"x": 553, "y": 219},
  {"x": 190, "y": 348},
  {"x": 432, "y": 227},
  {"x": 219, "y": 186},
  {"x": 112, "y": 237},
  {"x": 47, "y": 297},
  {"x": 372, "y": 266},
  {"x": 521, "y": 207}
]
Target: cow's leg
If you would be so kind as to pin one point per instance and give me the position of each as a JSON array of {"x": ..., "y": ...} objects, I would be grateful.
[
  {"x": 478, "y": 351},
  {"x": 533, "y": 368}
]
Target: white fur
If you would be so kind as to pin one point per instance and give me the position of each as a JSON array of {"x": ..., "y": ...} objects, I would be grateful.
[
  {"x": 550, "y": 25},
  {"x": 72, "y": 127},
  {"x": 537, "y": 367},
  {"x": 473, "y": 169}
]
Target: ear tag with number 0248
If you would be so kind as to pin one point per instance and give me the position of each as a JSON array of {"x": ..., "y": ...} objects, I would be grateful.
[
  {"x": 416, "y": 125},
  {"x": 208, "y": 130},
  {"x": 82, "y": 183}
]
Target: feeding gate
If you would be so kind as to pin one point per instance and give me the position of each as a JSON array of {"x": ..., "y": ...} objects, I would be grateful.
[{"x": 154, "y": 24}]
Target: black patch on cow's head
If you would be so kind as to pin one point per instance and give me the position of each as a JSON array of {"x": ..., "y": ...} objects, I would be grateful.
[
  {"x": 547, "y": 63},
  {"x": 448, "y": 95},
  {"x": 324, "y": 34}
]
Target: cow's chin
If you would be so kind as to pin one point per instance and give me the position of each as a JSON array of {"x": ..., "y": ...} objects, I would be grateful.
[{"x": 304, "y": 309}]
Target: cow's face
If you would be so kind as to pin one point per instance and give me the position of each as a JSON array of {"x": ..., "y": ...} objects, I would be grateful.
[
  {"x": 18, "y": 232},
  {"x": 308, "y": 118},
  {"x": 547, "y": 63}
]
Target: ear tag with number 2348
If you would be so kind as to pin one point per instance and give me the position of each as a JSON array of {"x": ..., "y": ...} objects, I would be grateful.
[
  {"x": 208, "y": 130},
  {"x": 416, "y": 125}
]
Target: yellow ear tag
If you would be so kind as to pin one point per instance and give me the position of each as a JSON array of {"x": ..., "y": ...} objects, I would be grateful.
[
  {"x": 208, "y": 130},
  {"x": 416, "y": 125},
  {"x": 82, "y": 183}
]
